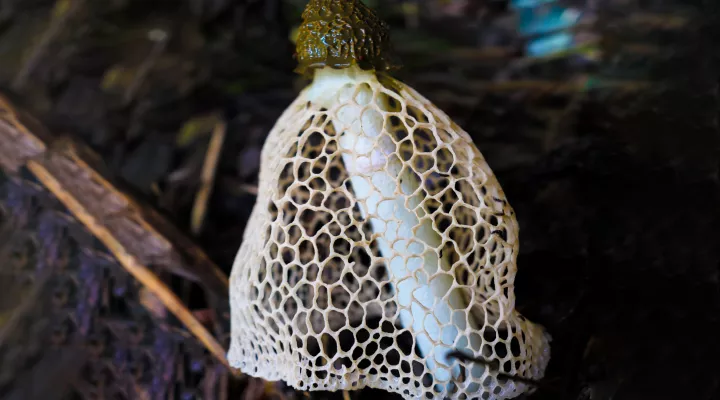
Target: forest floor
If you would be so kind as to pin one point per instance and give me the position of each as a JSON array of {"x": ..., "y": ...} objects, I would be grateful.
[{"x": 611, "y": 164}]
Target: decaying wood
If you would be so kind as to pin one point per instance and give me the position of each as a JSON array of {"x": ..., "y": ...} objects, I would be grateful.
[
  {"x": 18, "y": 143},
  {"x": 146, "y": 245},
  {"x": 74, "y": 297}
]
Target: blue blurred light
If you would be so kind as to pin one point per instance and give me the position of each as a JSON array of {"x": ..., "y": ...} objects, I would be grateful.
[
  {"x": 552, "y": 44},
  {"x": 544, "y": 18},
  {"x": 530, "y": 3},
  {"x": 553, "y": 18}
]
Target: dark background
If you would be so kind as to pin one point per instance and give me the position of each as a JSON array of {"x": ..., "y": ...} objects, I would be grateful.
[{"x": 611, "y": 166}]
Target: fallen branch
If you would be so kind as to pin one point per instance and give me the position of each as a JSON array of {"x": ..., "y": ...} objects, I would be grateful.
[{"x": 140, "y": 239}]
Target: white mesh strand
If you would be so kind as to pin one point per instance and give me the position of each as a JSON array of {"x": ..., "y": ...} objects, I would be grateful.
[{"x": 372, "y": 253}]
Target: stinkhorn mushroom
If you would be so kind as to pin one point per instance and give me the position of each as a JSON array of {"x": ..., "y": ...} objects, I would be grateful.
[{"x": 381, "y": 243}]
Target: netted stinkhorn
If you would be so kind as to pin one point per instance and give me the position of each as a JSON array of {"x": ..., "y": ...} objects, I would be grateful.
[{"x": 381, "y": 243}]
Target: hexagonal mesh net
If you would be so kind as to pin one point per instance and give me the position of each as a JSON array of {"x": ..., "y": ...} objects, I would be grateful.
[{"x": 380, "y": 246}]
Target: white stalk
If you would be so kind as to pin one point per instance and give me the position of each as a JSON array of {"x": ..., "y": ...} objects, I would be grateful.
[{"x": 387, "y": 198}]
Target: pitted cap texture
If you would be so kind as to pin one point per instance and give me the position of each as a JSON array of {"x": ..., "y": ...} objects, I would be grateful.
[{"x": 341, "y": 33}]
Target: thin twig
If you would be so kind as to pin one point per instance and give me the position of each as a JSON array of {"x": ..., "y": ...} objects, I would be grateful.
[
  {"x": 249, "y": 189},
  {"x": 159, "y": 38},
  {"x": 239, "y": 188},
  {"x": 463, "y": 357},
  {"x": 207, "y": 178},
  {"x": 57, "y": 25},
  {"x": 128, "y": 261}
]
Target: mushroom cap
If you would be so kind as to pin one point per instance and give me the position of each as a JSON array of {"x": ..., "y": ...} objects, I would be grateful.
[
  {"x": 312, "y": 295},
  {"x": 341, "y": 33}
]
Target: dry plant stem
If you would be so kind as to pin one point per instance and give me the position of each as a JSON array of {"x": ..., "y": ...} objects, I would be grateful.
[
  {"x": 207, "y": 178},
  {"x": 464, "y": 358},
  {"x": 128, "y": 261},
  {"x": 238, "y": 188},
  {"x": 56, "y": 27},
  {"x": 249, "y": 189},
  {"x": 159, "y": 39}
]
